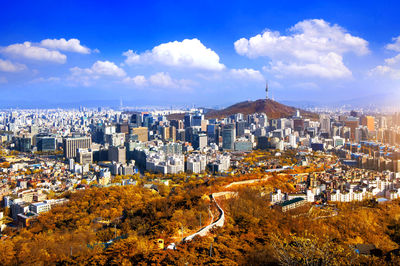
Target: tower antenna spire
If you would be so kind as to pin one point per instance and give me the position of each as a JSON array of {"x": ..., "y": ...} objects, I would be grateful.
[{"x": 266, "y": 90}]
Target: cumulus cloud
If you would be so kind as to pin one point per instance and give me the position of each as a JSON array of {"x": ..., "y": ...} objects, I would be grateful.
[
  {"x": 189, "y": 53},
  {"x": 311, "y": 44},
  {"x": 159, "y": 80},
  {"x": 87, "y": 76},
  {"x": 247, "y": 73},
  {"x": 100, "y": 68},
  {"x": 8, "y": 66},
  {"x": 395, "y": 46},
  {"x": 72, "y": 45},
  {"x": 139, "y": 80},
  {"x": 29, "y": 51},
  {"x": 329, "y": 66},
  {"x": 391, "y": 66}
]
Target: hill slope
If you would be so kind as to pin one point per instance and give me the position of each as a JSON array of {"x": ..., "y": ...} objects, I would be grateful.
[{"x": 272, "y": 108}]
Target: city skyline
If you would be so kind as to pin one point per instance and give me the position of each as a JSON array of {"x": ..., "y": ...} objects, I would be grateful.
[{"x": 64, "y": 55}]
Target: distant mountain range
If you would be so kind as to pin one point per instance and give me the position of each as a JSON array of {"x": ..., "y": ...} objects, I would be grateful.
[{"x": 271, "y": 108}]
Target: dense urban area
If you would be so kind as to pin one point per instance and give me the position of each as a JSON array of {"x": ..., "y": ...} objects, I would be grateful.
[{"x": 104, "y": 186}]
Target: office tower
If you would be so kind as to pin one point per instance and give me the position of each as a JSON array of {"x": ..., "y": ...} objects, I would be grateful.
[
  {"x": 262, "y": 120},
  {"x": 187, "y": 120},
  {"x": 97, "y": 132},
  {"x": 178, "y": 124},
  {"x": 117, "y": 154},
  {"x": 46, "y": 142},
  {"x": 196, "y": 119},
  {"x": 24, "y": 144},
  {"x": 325, "y": 122},
  {"x": 165, "y": 133},
  {"x": 204, "y": 124},
  {"x": 369, "y": 122},
  {"x": 228, "y": 137},
  {"x": 71, "y": 144},
  {"x": 240, "y": 127},
  {"x": 122, "y": 128},
  {"x": 148, "y": 120},
  {"x": 84, "y": 156},
  {"x": 211, "y": 133},
  {"x": 142, "y": 133},
  {"x": 199, "y": 141},
  {"x": 180, "y": 135},
  {"x": 172, "y": 133},
  {"x": 115, "y": 139},
  {"x": 352, "y": 123},
  {"x": 136, "y": 120},
  {"x": 298, "y": 124}
]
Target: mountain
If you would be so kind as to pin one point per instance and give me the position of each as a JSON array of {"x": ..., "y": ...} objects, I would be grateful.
[{"x": 272, "y": 108}]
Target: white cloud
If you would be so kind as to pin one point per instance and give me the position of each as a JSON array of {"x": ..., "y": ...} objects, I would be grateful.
[
  {"x": 386, "y": 70},
  {"x": 138, "y": 80},
  {"x": 391, "y": 66},
  {"x": 159, "y": 80},
  {"x": 329, "y": 66},
  {"x": 8, "y": 66},
  {"x": 72, "y": 45},
  {"x": 42, "y": 80},
  {"x": 162, "y": 79},
  {"x": 100, "y": 68},
  {"x": 189, "y": 53},
  {"x": 247, "y": 73},
  {"x": 27, "y": 50},
  {"x": 395, "y": 46},
  {"x": 87, "y": 76},
  {"x": 311, "y": 44}
]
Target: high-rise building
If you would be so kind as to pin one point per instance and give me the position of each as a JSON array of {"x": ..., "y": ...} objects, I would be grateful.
[
  {"x": 141, "y": 132},
  {"x": 325, "y": 124},
  {"x": 199, "y": 141},
  {"x": 369, "y": 122},
  {"x": 123, "y": 128},
  {"x": 71, "y": 144},
  {"x": 84, "y": 156},
  {"x": 228, "y": 137},
  {"x": 165, "y": 133},
  {"x": 46, "y": 142},
  {"x": 117, "y": 154},
  {"x": 136, "y": 120},
  {"x": 24, "y": 143},
  {"x": 178, "y": 124},
  {"x": 352, "y": 123},
  {"x": 190, "y": 131},
  {"x": 180, "y": 134},
  {"x": 196, "y": 119},
  {"x": 240, "y": 127},
  {"x": 211, "y": 133},
  {"x": 187, "y": 120},
  {"x": 172, "y": 133},
  {"x": 115, "y": 139}
]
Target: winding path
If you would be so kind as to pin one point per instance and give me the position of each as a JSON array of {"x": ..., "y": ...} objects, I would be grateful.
[{"x": 221, "y": 219}]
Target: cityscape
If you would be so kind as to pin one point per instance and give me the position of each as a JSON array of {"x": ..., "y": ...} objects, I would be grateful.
[{"x": 280, "y": 149}]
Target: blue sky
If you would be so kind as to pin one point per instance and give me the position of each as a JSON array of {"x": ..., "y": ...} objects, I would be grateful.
[{"x": 207, "y": 53}]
